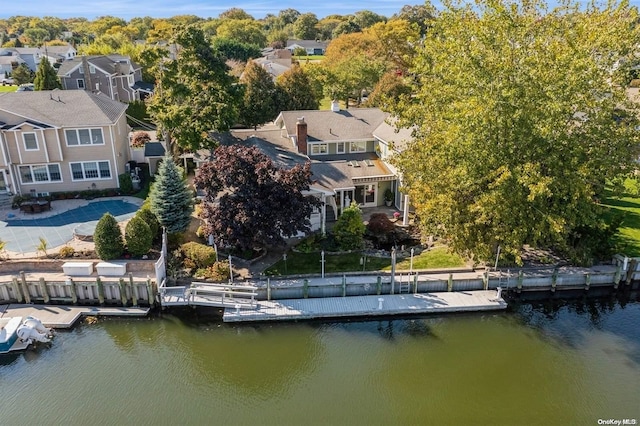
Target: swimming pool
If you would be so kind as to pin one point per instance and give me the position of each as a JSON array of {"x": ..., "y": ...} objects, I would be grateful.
[{"x": 23, "y": 234}]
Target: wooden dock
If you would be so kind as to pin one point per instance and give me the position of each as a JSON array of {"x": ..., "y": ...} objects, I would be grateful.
[
  {"x": 367, "y": 306},
  {"x": 66, "y": 316}
]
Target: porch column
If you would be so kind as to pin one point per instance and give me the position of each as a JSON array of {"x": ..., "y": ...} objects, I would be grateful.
[
  {"x": 323, "y": 219},
  {"x": 405, "y": 215}
]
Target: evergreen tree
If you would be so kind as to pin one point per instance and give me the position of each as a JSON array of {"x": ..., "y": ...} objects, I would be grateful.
[
  {"x": 46, "y": 77},
  {"x": 296, "y": 91},
  {"x": 349, "y": 228},
  {"x": 138, "y": 237},
  {"x": 195, "y": 95},
  {"x": 258, "y": 105},
  {"x": 108, "y": 238},
  {"x": 22, "y": 74},
  {"x": 171, "y": 199}
]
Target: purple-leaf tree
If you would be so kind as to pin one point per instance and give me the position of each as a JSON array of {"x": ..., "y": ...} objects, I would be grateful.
[{"x": 252, "y": 203}]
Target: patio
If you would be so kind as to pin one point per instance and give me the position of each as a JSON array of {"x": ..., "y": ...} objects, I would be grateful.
[{"x": 22, "y": 231}]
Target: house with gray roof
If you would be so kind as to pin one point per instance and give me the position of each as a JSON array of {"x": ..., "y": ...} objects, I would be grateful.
[
  {"x": 30, "y": 55},
  {"x": 58, "y": 54},
  {"x": 8, "y": 63},
  {"x": 343, "y": 151},
  {"x": 115, "y": 76},
  {"x": 312, "y": 47},
  {"x": 54, "y": 141}
]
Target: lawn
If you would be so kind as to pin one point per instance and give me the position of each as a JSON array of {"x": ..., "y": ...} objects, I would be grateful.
[
  {"x": 309, "y": 263},
  {"x": 8, "y": 89},
  {"x": 628, "y": 238}
]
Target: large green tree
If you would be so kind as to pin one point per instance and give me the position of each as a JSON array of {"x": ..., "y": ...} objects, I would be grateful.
[
  {"x": 297, "y": 91},
  {"x": 171, "y": 200},
  {"x": 194, "y": 94},
  {"x": 518, "y": 124},
  {"x": 259, "y": 101},
  {"x": 46, "y": 77}
]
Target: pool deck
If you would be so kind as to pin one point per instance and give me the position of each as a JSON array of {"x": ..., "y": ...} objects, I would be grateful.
[
  {"x": 367, "y": 306},
  {"x": 22, "y": 231},
  {"x": 60, "y": 317}
]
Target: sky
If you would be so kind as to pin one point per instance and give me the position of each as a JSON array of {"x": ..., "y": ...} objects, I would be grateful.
[{"x": 128, "y": 9}]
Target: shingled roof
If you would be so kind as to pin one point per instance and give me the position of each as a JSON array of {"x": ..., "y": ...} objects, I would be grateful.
[
  {"x": 106, "y": 63},
  {"x": 62, "y": 108},
  {"x": 325, "y": 125}
]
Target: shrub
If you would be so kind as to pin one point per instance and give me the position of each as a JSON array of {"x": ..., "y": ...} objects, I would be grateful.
[
  {"x": 108, "y": 238},
  {"x": 202, "y": 255},
  {"x": 139, "y": 139},
  {"x": 66, "y": 251},
  {"x": 138, "y": 236},
  {"x": 126, "y": 185},
  {"x": 150, "y": 219},
  {"x": 219, "y": 271},
  {"x": 380, "y": 226},
  {"x": 349, "y": 229}
]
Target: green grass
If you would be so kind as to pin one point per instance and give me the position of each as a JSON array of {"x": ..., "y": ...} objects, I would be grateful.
[
  {"x": 309, "y": 58},
  {"x": 309, "y": 263},
  {"x": 436, "y": 258},
  {"x": 8, "y": 88},
  {"x": 628, "y": 239}
]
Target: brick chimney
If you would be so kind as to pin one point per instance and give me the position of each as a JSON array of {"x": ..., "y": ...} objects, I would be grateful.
[{"x": 301, "y": 135}]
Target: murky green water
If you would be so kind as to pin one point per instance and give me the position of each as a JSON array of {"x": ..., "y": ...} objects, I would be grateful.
[{"x": 568, "y": 364}]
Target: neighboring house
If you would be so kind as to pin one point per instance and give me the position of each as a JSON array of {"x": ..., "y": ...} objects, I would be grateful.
[
  {"x": 53, "y": 141},
  {"x": 8, "y": 63},
  {"x": 312, "y": 47},
  {"x": 59, "y": 54},
  {"x": 113, "y": 75},
  {"x": 30, "y": 55},
  {"x": 275, "y": 61}
]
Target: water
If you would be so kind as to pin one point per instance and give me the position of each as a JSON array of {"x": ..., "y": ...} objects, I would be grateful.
[{"x": 566, "y": 363}]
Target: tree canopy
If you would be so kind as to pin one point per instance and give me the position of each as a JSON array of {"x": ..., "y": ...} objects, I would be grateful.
[
  {"x": 250, "y": 202},
  {"x": 259, "y": 99},
  {"x": 518, "y": 126},
  {"x": 195, "y": 95}
]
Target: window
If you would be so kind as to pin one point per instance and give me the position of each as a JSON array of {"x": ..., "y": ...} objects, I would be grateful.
[
  {"x": 90, "y": 170},
  {"x": 358, "y": 147},
  {"x": 80, "y": 83},
  {"x": 30, "y": 141},
  {"x": 84, "y": 137},
  {"x": 40, "y": 173},
  {"x": 92, "y": 69},
  {"x": 340, "y": 148},
  {"x": 130, "y": 78},
  {"x": 81, "y": 69},
  {"x": 319, "y": 149}
]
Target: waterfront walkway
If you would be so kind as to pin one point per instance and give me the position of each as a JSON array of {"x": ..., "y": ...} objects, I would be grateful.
[
  {"x": 361, "y": 306},
  {"x": 66, "y": 316}
]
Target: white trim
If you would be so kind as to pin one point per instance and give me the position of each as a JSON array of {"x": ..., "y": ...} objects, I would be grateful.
[
  {"x": 59, "y": 144},
  {"x": 97, "y": 163},
  {"x": 34, "y": 181},
  {"x": 5, "y": 151},
  {"x": 319, "y": 145},
  {"x": 113, "y": 152},
  {"x": 24, "y": 141},
  {"x": 77, "y": 130},
  {"x": 15, "y": 137},
  {"x": 357, "y": 142},
  {"x": 44, "y": 145},
  {"x": 344, "y": 147}
]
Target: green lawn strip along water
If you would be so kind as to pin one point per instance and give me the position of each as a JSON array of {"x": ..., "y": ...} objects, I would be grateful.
[
  {"x": 310, "y": 263},
  {"x": 627, "y": 240}
]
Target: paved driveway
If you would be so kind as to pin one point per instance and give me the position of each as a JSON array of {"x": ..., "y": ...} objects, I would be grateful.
[{"x": 22, "y": 231}]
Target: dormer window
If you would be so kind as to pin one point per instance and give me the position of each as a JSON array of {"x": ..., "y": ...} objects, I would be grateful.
[{"x": 92, "y": 69}]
